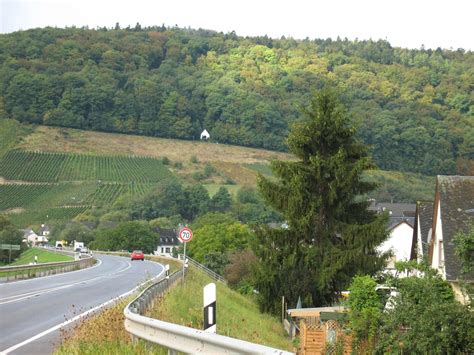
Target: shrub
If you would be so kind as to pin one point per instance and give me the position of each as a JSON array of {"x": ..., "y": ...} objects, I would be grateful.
[
  {"x": 209, "y": 170},
  {"x": 365, "y": 311},
  {"x": 239, "y": 270}
]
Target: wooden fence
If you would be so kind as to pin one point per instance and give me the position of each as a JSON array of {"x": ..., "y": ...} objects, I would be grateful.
[{"x": 326, "y": 337}]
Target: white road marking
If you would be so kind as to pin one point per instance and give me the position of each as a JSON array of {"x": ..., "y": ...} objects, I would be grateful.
[
  {"x": 23, "y": 296},
  {"x": 20, "y": 297},
  {"x": 82, "y": 315},
  {"x": 45, "y": 277}
]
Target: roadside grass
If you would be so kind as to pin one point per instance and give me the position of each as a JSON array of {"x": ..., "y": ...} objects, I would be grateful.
[
  {"x": 44, "y": 256},
  {"x": 173, "y": 263},
  {"x": 103, "y": 333},
  {"x": 238, "y": 316}
]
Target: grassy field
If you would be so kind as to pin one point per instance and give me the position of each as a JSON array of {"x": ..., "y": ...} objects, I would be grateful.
[
  {"x": 50, "y": 139},
  {"x": 44, "y": 256},
  {"x": 11, "y": 133},
  {"x": 237, "y": 317},
  {"x": 229, "y": 160}
]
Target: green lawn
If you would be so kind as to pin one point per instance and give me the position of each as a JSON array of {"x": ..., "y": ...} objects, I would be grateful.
[{"x": 44, "y": 256}]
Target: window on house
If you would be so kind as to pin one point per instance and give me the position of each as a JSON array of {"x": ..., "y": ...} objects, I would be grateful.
[{"x": 167, "y": 250}]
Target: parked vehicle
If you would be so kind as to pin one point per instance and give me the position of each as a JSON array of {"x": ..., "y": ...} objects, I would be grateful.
[
  {"x": 78, "y": 246},
  {"x": 137, "y": 255}
]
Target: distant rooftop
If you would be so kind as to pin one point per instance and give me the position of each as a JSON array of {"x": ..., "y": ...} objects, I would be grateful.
[{"x": 394, "y": 209}]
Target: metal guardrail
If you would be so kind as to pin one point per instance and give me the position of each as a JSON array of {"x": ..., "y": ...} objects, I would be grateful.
[
  {"x": 8, "y": 273},
  {"x": 180, "y": 338},
  {"x": 212, "y": 274}
]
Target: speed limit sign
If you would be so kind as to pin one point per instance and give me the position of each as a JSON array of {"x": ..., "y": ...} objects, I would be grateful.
[{"x": 185, "y": 235}]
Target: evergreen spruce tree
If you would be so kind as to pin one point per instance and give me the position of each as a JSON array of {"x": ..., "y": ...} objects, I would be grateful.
[{"x": 331, "y": 235}]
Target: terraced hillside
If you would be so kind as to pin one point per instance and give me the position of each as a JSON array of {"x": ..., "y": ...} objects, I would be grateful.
[
  {"x": 56, "y": 167},
  {"x": 45, "y": 186},
  {"x": 56, "y": 174}
]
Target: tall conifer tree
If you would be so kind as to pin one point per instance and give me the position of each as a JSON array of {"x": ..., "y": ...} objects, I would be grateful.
[{"x": 331, "y": 235}]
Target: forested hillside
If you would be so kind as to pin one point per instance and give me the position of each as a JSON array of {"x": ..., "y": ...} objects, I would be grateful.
[{"x": 414, "y": 107}]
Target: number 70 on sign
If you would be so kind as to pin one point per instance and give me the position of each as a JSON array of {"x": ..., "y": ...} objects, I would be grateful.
[{"x": 185, "y": 235}]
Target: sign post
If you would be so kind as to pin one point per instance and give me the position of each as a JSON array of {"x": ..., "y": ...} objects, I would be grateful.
[
  {"x": 185, "y": 236},
  {"x": 209, "y": 307}
]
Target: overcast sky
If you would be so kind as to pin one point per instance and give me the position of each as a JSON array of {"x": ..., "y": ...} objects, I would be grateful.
[{"x": 405, "y": 23}]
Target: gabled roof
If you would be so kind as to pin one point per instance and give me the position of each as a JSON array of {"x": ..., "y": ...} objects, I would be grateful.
[
  {"x": 423, "y": 221},
  {"x": 28, "y": 232},
  {"x": 43, "y": 229},
  {"x": 425, "y": 213},
  {"x": 394, "y": 222},
  {"x": 394, "y": 209},
  {"x": 167, "y": 236},
  {"x": 164, "y": 232},
  {"x": 169, "y": 241},
  {"x": 456, "y": 198}
]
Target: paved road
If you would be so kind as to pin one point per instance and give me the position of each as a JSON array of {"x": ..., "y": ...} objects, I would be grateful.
[{"x": 33, "y": 311}]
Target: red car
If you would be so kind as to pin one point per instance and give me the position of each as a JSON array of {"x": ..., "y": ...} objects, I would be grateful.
[{"x": 137, "y": 255}]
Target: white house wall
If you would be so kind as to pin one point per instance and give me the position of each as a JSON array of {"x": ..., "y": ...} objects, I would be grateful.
[
  {"x": 419, "y": 242},
  {"x": 399, "y": 242},
  {"x": 437, "y": 261}
]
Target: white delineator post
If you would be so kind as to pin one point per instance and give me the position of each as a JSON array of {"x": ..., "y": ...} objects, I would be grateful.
[
  {"x": 167, "y": 271},
  {"x": 209, "y": 296}
]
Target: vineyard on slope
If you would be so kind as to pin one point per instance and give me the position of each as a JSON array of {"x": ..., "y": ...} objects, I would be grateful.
[
  {"x": 56, "y": 167},
  {"x": 44, "y": 186}
]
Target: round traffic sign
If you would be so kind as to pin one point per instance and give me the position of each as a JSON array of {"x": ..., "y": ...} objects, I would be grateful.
[{"x": 185, "y": 235}]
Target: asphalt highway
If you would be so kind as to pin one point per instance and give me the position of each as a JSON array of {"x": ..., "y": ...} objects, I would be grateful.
[{"x": 33, "y": 312}]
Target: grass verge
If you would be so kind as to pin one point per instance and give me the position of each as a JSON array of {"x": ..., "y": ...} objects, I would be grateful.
[
  {"x": 44, "y": 256},
  {"x": 105, "y": 334},
  {"x": 237, "y": 315}
]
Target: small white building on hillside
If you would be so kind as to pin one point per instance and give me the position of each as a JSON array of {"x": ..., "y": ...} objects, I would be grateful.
[{"x": 205, "y": 135}]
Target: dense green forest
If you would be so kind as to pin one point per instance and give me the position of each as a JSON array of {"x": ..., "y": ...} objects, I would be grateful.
[{"x": 415, "y": 108}]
